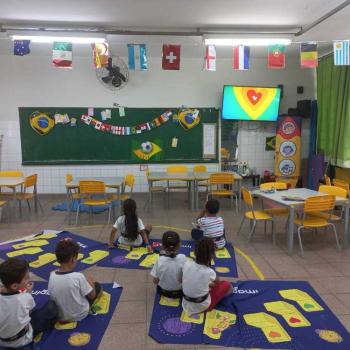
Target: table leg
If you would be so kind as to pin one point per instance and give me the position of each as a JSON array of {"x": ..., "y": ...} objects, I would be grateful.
[
  {"x": 35, "y": 200},
  {"x": 346, "y": 227},
  {"x": 196, "y": 195},
  {"x": 120, "y": 202},
  {"x": 290, "y": 235},
  {"x": 150, "y": 199},
  {"x": 240, "y": 193},
  {"x": 68, "y": 206}
]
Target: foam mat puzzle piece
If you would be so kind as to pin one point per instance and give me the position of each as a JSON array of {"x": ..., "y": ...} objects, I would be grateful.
[
  {"x": 48, "y": 235},
  {"x": 101, "y": 305},
  {"x": 65, "y": 325},
  {"x": 196, "y": 318},
  {"x": 269, "y": 325},
  {"x": 149, "y": 260},
  {"x": 169, "y": 301},
  {"x": 124, "y": 247},
  {"x": 26, "y": 251},
  {"x": 95, "y": 256},
  {"x": 80, "y": 256},
  {"x": 289, "y": 312},
  {"x": 43, "y": 260},
  {"x": 34, "y": 243},
  {"x": 305, "y": 301},
  {"x": 222, "y": 269},
  {"x": 137, "y": 253},
  {"x": 217, "y": 321},
  {"x": 222, "y": 253}
]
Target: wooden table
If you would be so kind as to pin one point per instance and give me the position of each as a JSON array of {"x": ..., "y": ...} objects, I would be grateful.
[
  {"x": 113, "y": 182},
  {"x": 292, "y": 205}
]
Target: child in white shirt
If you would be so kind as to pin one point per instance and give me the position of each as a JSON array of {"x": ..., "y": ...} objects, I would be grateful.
[
  {"x": 202, "y": 289},
  {"x": 72, "y": 291},
  {"x": 167, "y": 271},
  {"x": 132, "y": 231},
  {"x": 19, "y": 322}
]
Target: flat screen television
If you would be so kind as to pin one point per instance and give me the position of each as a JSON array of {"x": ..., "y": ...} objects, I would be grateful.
[{"x": 250, "y": 103}]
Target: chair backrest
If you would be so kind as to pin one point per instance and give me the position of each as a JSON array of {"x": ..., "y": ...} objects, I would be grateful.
[
  {"x": 177, "y": 169},
  {"x": 225, "y": 153},
  {"x": 327, "y": 180},
  {"x": 200, "y": 168},
  {"x": 319, "y": 203},
  {"x": 247, "y": 197},
  {"x": 342, "y": 184},
  {"x": 333, "y": 190},
  {"x": 221, "y": 179},
  {"x": 92, "y": 187},
  {"x": 30, "y": 181},
  {"x": 69, "y": 178},
  {"x": 11, "y": 173},
  {"x": 129, "y": 181},
  {"x": 292, "y": 181},
  {"x": 276, "y": 185}
]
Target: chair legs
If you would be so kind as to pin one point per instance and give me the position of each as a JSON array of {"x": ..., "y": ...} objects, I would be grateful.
[
  {"x": 240, "y": 226},
  {"x": 77, "y": 215},
  {"x": 336, "y": 236},
  {"x": 252, "y": 231},
  {"x": 300, "y": 243}
]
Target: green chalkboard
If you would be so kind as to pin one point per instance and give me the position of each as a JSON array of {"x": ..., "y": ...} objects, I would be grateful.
[{"x": 83, "y": 144}]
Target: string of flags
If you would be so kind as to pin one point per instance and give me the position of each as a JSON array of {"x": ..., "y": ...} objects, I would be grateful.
[{"x": 62, "y": 55}]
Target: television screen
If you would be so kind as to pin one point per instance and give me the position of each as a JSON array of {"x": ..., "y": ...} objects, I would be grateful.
[{"x": 250, "y": 103}]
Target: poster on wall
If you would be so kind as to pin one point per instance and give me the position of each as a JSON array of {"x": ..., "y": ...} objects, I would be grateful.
[{"x": 288, "y": 146}]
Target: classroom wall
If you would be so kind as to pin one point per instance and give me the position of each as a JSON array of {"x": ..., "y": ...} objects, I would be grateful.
[{"x": 31, "y": 81}]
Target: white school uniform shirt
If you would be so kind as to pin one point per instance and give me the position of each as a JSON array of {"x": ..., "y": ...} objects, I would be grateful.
[
  {"x": 14, "y": 316},
  {"x": 195, "y": 284},
  {"x": 120, "y": 226},
  {"x": 213, "y": 227},
  {"x": 69, "y": 290},
  {"x": 169, "y": 271}
]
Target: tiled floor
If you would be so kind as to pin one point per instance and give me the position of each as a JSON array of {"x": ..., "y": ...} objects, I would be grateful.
[{"x": 323, "y": 266}]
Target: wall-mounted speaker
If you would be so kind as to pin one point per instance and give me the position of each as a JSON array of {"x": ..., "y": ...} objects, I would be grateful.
[{"x": 300, "y": 89}]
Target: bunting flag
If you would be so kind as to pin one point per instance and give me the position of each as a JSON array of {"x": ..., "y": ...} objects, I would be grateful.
[
  {"x": 171, "y": 57},
  {"x": 62, "y": 55},
  {"x": 276, "y": 57},
  {"x": 241, "y": 57},
  {"x": 137, "y": 57},
  {"x": 100, "y": 53},
  {"x": 21, "y": 47},
  {"x": 341, "y": 53},
  {"x": 308, "y": 55},
  {"x": 210, "y": 58}
]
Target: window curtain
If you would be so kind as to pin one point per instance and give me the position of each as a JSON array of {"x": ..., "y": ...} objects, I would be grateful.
[{"x": 333, "y": 124}]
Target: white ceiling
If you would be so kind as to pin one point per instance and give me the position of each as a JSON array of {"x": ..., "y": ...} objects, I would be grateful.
[{"x": 180, "y": 15}]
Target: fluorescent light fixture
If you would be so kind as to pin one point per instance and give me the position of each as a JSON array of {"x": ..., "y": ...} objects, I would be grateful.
[
  {"x": 246, "y": 41},
  {"x": 49, "y": 37}
]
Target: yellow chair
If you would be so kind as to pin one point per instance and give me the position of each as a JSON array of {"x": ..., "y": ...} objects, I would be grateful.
[
  {"x": 327, "y": 180},
  {"x": 221, "y": 185},
  {"x": 282, "y": 211},
  {"x": 95, "y": 194},
  {"x": 331, "y": 190},
  {"x": 202, "y": 183},
  {"x": 342, "y": 184},
  {"x": 128, "y": 183},
  {"x": 255, "y": 216},
  {"x": 292, "y": 181},
  {"x": 73, "y": 191},
  {"x": 308, "y": 220},
  {"x": 153, "y": 189},
  {"x": 29, "y": 183},
  {"x": 177, "y": 169}
]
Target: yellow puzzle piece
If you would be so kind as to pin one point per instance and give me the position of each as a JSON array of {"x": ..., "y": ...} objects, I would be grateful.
[
  {"x": 222, "y": 253},
  {"x": 289, "y": 312},
  {"x": 101, "y": 305},
  {"x": 65, "y": 325},
  {"x": 80, "y": 256},
  {"x": 169, "y": 301},
  {"x": 26, "y": 251},
  {"x": 124, "y": 246},
  {"x": 305, "y": 301},
  {"x": 43, "y": 260},
  {"x": 35, "y": 243},
  {"x": 95, "y": 256},
  {"x": 196, "y": 318},
  {"x": 43, "y": 236},
  {"x": 217, "y": 321},
  {"x": 137, "y": 253},
  {"x": 269, "y": 325},
  {"x": 149, "y": 260}
]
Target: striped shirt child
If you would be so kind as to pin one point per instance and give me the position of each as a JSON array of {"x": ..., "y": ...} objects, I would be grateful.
[{"x": 213, "y": 227}]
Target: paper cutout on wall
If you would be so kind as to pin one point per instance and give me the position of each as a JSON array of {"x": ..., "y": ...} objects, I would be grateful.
[
  {"x": 189, "y": 118},
  {"x": 42, "y": 123},
  {"x": 147, "y": 150}
]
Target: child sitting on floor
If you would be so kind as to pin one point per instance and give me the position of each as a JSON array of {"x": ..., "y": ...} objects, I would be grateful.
[
  {"x": 167, "y": 271},
  {"x": 201, "y": 288},
  {"x": 210, "y": 225},
  {"x": 73, "y": 293},
  {"x": 19, "y": 323},
  {"x": 132, "y": 231}
]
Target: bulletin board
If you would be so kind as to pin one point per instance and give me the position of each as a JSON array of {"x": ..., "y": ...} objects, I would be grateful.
[{"x": 169, "y": 140}]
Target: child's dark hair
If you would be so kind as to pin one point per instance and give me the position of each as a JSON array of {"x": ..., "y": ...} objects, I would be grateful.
[
  {"x": 66, "y": 249},
  {"x": 13, "y": 271},
  {"x": 131, "y": 220},
  {"x": 204, "y": 251},
  {"x": 171, "y": 242},
  {"x": 212, "y": 206}
]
